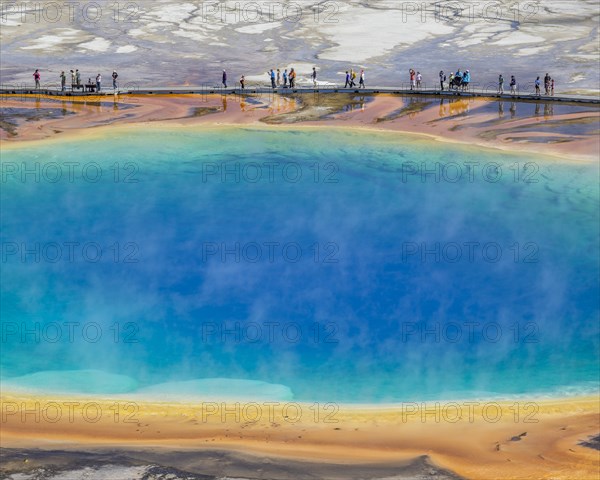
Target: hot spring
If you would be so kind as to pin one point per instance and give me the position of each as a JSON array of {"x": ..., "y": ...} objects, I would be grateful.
[{"x": 339, "y": 266}]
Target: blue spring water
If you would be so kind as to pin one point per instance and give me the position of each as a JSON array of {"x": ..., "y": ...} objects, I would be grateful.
[{"x": 297, "y": 264}]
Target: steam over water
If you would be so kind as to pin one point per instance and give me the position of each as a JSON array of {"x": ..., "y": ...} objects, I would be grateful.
[{"x": 274, "y": 264}]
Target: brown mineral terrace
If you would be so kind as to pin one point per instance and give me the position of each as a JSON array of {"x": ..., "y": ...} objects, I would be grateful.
[{"x": 560, "y": 130}]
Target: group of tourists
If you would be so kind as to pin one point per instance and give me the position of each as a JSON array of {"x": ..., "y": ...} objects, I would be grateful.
[
  {"x": 351, "y": 79},
  {"x": 548, "y": 85},
  {"x": 456, "y": 80},
  {"x": 287, "y": 79},
  {"x": 76, "y": 80}
]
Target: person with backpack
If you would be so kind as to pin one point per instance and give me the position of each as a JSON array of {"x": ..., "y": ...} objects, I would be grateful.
[
  {"x": 500, "y": 84},
  {"x": 361, "y": 82},
  {"x": 37, "y": 77},
  {"x": 513, "y": 85},
  {"x": 115, "y": 75},
  {"x": 442, "y": 80}
]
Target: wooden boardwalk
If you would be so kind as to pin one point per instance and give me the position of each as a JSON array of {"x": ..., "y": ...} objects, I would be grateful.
[{"x": 204, "y": 90}]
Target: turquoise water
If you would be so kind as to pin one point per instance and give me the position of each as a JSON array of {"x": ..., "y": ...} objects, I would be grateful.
[{"x": 347, "y": 284}]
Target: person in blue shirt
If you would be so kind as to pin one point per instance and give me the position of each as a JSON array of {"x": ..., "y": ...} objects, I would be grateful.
[{"x": 466, "y": 80}]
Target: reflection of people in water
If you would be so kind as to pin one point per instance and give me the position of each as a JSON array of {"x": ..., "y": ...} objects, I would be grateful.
[
  {"x": 443, "y": 108},
  {"x": 548, "y": 109},
  {"x": 513, "y": 109},
  {"x": 115, "y": 105},
  {"x": 243, "y": 104},
  {"x": 537, "y": 109},
  {"x": 500, "y": 109},
  {"x": 224, "y": 97},
  {"x": 458, "y": 107}
]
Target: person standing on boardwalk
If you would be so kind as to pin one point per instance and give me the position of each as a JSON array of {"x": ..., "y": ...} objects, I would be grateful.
[
  {"x": 352, "y": 78},
  {"x": 115, "y": 75},
  {"x": 37, "y": 77},
  {"x": 513, "y": 85},
  {"x": 412, "y": 74},
  {"x": 224, "y": 79},
  {"x": 347, "y": 79},
  {"x": 63, "y": 81},
  {"x": 72, "y": 78},
  {"x": 273, "y": 78},
  {"x": 285, "y": 78},
  {"x": 547, "y": 84},
  {"x": 98, "y": 82},
  {"x": 292, "y": 78},
  {"x": 537, "y": 86},
  {"x": 458, "y": 78},
  {"x": 552, "y": 87},
  {"x": 500, "y": 84},
  {"x": 77, "y": 77},
  {"x": 466, "y": 80},
  {"x": 278, "y": 77},
  {"x": 243, "y": 82},
  {"x": 419, "y": 79},
  {"x": 362, "y": 79},
  {"x": 442, "y": 80},
  {"x": 314, "y": 77}
]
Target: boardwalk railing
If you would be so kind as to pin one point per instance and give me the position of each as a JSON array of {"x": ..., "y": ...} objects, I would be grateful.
[{"x": 473, "y": 91}]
